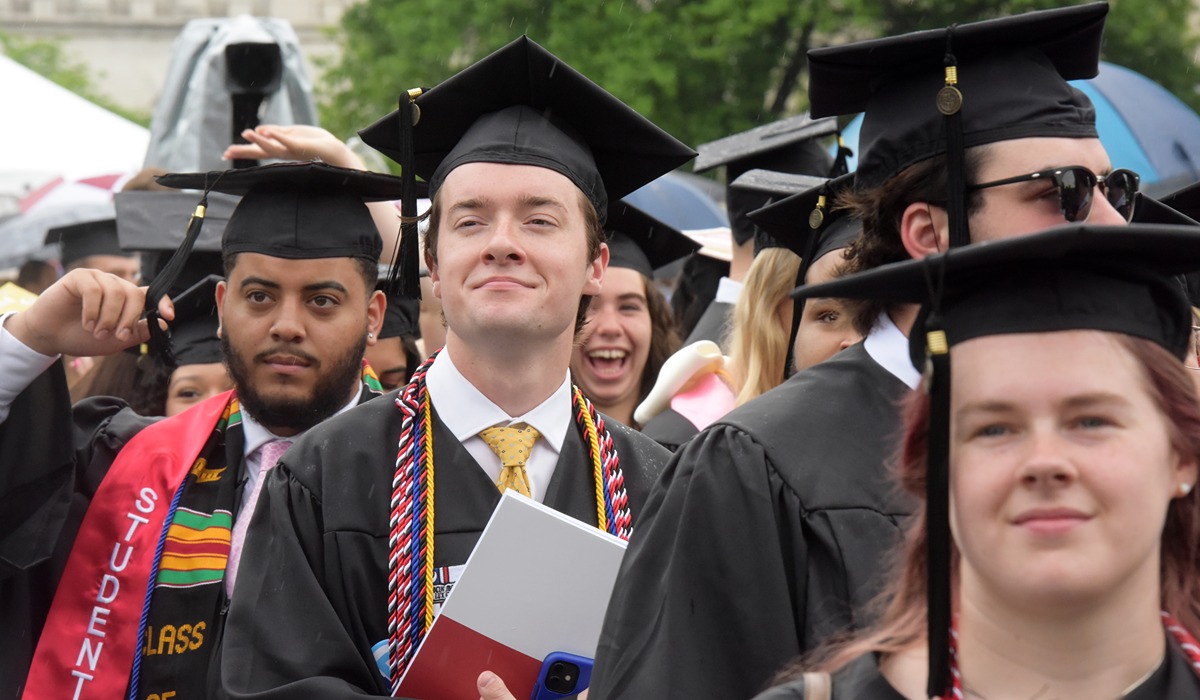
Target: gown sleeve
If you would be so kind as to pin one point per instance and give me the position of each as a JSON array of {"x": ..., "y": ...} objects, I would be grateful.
[
  {"x": 672, "y": 629},
  {"x": 285, "y": 637}
]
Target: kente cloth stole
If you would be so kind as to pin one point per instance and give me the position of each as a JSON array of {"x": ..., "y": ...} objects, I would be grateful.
[
  {"x": 92, "y": 634},
  {"x": 411, "y": 521}
]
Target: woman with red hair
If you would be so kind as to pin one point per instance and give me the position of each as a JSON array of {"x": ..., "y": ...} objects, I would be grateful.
[{"x": 1056, "y": 549}]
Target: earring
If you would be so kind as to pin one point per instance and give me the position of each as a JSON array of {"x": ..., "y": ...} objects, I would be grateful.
[
  {"x": 1184, "y": 489},
  {"x": 370, "y": 334}
]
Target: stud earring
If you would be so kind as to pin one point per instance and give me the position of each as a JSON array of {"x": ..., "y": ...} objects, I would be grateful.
[
  {"x": 370, "y": 334},
  {"x": 1185, "y": 488}
]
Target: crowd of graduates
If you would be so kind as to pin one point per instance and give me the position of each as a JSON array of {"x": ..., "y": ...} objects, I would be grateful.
[{"x": 924, "y": 429}]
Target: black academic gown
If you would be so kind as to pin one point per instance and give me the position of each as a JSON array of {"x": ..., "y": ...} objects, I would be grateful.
[
  {"x": 713, "y": 325},
  {"x": 861, "y": 680},
  {"x": 765, "y": 535},
  {"x": 312, "y": 587}
]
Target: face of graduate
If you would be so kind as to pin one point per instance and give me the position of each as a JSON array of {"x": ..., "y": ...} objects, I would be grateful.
[
  {"x": 1027, "y": 207},
  {"x": 191, "y": 384},
  {"x": 293, "y": 333},
  {"x": 390, "y": 362},
  {"x": 512, "y": 260},
  {"x": 1062, "y": 471},
  {"x": 127, "y": 268},
  {"x": 609, "y": 364},
  {"x": 827, "y": 326}
]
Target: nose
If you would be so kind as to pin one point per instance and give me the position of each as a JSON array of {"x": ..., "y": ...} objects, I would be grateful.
[
  {"x": 1047, "y": 466},
  {"x": 603, "y": 320},
  {"x": 1103, "y": 213},
  {"x": 502, "y": 243},
  {"x": 287, "y": 326}
]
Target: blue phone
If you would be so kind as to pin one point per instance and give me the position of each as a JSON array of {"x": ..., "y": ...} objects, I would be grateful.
[{"x": 563, "y": 675}]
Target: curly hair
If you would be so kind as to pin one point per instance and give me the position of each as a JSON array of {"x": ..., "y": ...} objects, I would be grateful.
[{"x": 880, "y": 209}]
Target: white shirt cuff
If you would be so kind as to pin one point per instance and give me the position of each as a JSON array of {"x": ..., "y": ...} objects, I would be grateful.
[
  {"x": 728, "y": 291},
  {"x": 19, "y": 366}
]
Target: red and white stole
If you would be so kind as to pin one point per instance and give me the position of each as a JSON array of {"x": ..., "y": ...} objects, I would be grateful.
[{"x": 90, "y": 637}]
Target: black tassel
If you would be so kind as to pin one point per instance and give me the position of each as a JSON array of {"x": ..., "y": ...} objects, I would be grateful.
[
  {"x": 404, "y": 279},
  {"x": 816, "y": 222},
  {"x": 159, "y": 345},
  {"x": 937, "y": 510},
  {"x": 949, "y": 102}
]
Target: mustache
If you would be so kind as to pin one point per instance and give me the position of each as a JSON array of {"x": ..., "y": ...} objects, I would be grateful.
[{"x": 262, "y": 356}]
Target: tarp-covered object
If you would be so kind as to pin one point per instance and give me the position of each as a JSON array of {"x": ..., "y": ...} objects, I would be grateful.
[{"x": 193, "y": 120}]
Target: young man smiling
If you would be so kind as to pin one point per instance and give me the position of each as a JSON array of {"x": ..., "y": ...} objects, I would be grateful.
[
  {"x": 140, "y": 607},
  {"x": 521, "y": 154}
]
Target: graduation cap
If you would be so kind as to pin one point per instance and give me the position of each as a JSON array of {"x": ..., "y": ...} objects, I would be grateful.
[
  {"x": 86, "y": 239},
  {"x": 154, "y": 224},
  {"x": 1185, "y": 201},
  {"x": 807, "y": 224},
  {"x": 641, "y": 242},
  {"x": 194, "y": 338},
  {"x": 520, "y": 105},
  {"x": 942, "y": 91},
  {"x": 788, "y": 145},
  {"x": 1113, "y": 279},
  {"x": 776, "y": 186}
]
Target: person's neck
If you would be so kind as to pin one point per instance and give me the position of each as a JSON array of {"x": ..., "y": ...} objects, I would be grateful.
[
  {"x": 743, "y": 257},
  {"x": 515, "y": 376},
  {"x": 1098, "y": 650},
  {"x": 904, "y": 316},
  {"x": 620, "y": 410}
]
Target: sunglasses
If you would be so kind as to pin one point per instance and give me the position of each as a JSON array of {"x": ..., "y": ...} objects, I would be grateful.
[{"x": 1076, "y": 185}]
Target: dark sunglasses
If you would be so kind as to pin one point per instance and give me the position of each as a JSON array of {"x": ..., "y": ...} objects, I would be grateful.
[{"x": 1076, "y": 184}]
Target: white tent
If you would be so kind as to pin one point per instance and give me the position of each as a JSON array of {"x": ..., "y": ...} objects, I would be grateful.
[{"x": 47, "y": 131}]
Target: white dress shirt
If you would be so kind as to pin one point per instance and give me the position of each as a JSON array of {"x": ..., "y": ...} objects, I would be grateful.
[
  {"x": 728, "y": 291},
  {"x": 19, "y": 366},
  {"x": 465, "y": 411},
  {"x": 887, "y": 345}
]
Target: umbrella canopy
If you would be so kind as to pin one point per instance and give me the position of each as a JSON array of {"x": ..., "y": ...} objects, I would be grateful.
[
  {"x": 1142, "y": 126},
  {"x": 61, "y": 202},
  {"x": 682, "y": 201}
]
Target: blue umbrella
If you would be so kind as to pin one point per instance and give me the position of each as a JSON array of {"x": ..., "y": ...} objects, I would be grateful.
[
  {"x": 1142, "y": 126},
  {"x": 681, "y": 200}
]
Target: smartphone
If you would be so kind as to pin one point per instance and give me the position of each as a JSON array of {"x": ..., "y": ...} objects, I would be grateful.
[{"x": 563, "y": 675}]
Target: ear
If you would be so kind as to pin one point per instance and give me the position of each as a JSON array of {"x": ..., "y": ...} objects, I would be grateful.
[
  {"x": 923, "y": 229},
  {"x": 376, "y": 308},
  {"x": 1186, "y": 472},
  {"x": 596, "y": 272},
  {"x": 434, "y": 278},
  {"x": 221, "y": 288}
]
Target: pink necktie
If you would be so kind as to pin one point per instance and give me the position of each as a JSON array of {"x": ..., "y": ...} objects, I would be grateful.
[{"x": 270, "y": 453}]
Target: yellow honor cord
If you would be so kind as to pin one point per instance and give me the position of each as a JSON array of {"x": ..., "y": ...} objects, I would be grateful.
[
  {"x": 597, "y": 468},
  {"x": 427, "y": 465}
]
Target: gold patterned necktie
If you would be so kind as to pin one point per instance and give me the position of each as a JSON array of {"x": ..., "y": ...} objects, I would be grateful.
[{"x": 512, "y": 446}]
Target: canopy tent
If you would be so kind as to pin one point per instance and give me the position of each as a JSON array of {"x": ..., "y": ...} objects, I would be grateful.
[{"x": 47, "y": 131}]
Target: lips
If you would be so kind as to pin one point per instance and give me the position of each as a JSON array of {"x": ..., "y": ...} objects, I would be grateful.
[
  {"x": 286, "y": 363},
  {"x": 1051, "y": 520},
  {"x": 607, "y": 363},
  {"x": 501, "y": 282}
]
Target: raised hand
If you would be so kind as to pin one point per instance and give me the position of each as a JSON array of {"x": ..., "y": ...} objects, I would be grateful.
[
  {"x": 295, "y": 142},
  {"x": 86, "y": 313}
]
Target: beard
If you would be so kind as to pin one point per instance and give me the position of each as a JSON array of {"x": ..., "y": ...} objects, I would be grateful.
[{"x": 328, "y": 395}]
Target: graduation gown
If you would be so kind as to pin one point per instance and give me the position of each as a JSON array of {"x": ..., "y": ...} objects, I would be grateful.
[
  {"x": 713, "y": 324},
  {"x": 766, "y": 534},
  {"x": 670, "y": 429},
  {"x": 312, "y": 587},
  {"x": 861, "y": 680}
]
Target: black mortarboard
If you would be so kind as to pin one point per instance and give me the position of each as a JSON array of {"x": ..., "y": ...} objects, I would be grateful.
[
  {"x": 1114, "y": 279},
  {"x": 522, "y": 105},
  {"x": 194, "y": 338},
  {"x": 86, "y": 239},
  {"x": 775, "y": 186},
  {"x": 788, "y": 145},
  {"x": 808, "y": 226},
  {"x": 154, "y": 223},
  {"x": 641, "y": 242},
  {"x": 1185, "y": 201},
  {"x": 946, "y": 90}
]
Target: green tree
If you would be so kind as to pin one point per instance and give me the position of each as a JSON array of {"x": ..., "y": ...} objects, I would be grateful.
[
  {"x": 47, "y": 59},
  {"x": 701, "y": 69}
]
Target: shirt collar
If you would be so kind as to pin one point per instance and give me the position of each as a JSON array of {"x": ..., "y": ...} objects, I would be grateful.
[
  {"x": 468, "y": 411},
  {"x": 256, "y": 435},
  {"x": 887, "y": 345}
]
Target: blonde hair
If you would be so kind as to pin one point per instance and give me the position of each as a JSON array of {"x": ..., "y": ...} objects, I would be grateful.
[{"x": 757, "y": 342}]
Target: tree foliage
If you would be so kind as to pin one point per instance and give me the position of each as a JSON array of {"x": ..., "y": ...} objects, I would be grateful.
[
  {"x": 701, "y": 69},
  {"x": 47, "y": 59}
]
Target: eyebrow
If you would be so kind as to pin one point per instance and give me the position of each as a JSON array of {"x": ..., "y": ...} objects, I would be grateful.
[
  {"x": 533, "y": 201},
  {"x": 632, "y": 295},
  {"x": 1074, "y": 402},
  {"x": 313, "y": 287}
]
